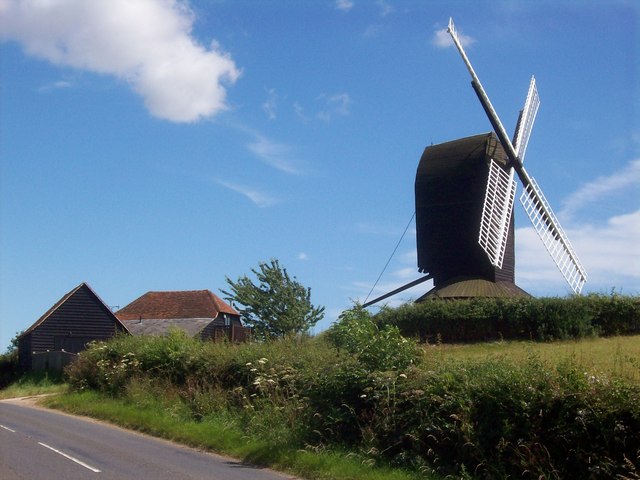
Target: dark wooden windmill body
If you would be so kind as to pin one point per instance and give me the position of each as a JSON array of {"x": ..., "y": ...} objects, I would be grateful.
[{"x": 450, "y": 188}]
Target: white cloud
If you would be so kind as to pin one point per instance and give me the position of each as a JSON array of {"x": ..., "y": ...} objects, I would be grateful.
[
  {"x": 344, "y": 5},
  {"x": 592, "y": 192},
  {"x": 270, "y": 105},
  {"x": 610, "y": 254},
  {"x": 145, "y": 43},
  {"x": 303, "y": 256},
  {"x": 261, "y": 199},
  {"x": 442, "y": 39}
]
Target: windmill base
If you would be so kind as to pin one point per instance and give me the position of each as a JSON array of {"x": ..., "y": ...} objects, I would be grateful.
[{"x": 465, "y": 288}]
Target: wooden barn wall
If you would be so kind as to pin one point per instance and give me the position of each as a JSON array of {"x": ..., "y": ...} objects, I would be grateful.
[
  {"x": 80, "y": 319},
  {"x": 24, "y": 351}
]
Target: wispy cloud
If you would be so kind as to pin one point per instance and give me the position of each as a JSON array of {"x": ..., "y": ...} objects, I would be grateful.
[
  {"x": 276, "y": 155},
  {"x": 442, "y": 39},
  {"x": 372, "y": 30},
  {"x": 259, "y": 198},
  {"x": 385, "y": 8},
  {"x": 60, "y": 84},
  {"x": 344, "y": 5},
  {"x": 270, "y": 105},
  {"x": 335, "y": 104},
  {"x": 303, "y": 256},
  {"x": 618, "y": 182},
  {"x": 298, "y": 109},
  {"x": 147, "y": 44}
]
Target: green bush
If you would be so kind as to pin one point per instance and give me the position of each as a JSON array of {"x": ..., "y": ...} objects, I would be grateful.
[
  {"x": 376, "y": 348},
  {"x": 542, "y": 319},
  {"x": 10, "y": 369}
]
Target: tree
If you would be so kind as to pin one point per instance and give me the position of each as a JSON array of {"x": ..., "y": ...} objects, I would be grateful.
[{"x": 278, "y": 305}]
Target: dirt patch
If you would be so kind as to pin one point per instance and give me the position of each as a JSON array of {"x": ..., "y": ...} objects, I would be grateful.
[{"x": 30, "y": 401}]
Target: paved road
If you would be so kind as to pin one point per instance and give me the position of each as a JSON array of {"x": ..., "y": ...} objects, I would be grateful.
[{"x": 39, "y": 444}]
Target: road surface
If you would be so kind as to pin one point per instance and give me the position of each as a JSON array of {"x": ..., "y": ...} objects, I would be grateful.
[{"x": 40, "y": 444}]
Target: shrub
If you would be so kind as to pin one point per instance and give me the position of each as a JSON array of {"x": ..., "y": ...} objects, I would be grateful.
[{"x": 377, "y": 349}]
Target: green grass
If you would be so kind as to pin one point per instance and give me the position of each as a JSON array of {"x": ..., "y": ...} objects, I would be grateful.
[
  {"x": 221, "y": 434},
  {"x": 614, "y": 356},
  {"x": 35, "y": 383}
]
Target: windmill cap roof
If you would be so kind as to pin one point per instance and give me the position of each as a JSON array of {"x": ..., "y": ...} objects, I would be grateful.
[{"x": 176, "y": 304}]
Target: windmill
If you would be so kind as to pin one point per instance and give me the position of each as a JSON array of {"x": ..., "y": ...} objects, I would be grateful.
[{"x": 465, "y": 191}]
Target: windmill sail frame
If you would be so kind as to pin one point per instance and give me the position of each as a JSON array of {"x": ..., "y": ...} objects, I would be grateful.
[
  {"x": 496, "y": 213},
  {"x": 538, "y": 209}
]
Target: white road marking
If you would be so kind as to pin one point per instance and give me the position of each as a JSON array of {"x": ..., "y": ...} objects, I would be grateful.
[
  {"x": 79, "y": 462},
  {"x": 7, "y": 428}
]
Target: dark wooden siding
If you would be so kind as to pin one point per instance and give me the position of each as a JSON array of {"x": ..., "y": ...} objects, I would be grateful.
[
  {"x": 209, "y": 332},
  {"x": 24, "y": 351},
  {"x": 449, "y": 191},
  {"x": 80, "y": 319}
]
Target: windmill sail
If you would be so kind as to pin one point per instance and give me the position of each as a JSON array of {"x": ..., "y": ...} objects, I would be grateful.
[
  {"x": 525, "y": 122},
  {"x": 550, "y": 232},
  {"x": 501, "y": 187},
  {"x": 538, "y": 209},
  {"x": 496, "y": 213}
]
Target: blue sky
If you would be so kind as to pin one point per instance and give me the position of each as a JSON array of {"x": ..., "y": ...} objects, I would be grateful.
[{"x": 164, "y": 145}]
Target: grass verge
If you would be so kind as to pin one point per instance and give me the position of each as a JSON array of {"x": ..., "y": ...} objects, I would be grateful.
[
  {"x": 35, "y": 383},
  {"x": 221, "y": 434}
]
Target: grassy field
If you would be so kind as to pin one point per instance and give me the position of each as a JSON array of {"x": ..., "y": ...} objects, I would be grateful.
[{"x": 613, "y": 356}]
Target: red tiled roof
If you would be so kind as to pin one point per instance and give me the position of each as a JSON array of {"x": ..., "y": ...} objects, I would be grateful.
[{"x": 180, "y": 304}]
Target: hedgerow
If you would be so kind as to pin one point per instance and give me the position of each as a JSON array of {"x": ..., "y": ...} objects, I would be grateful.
[
  {"x": 538, "y": 319},
  {"x": 364, "y": 388}
]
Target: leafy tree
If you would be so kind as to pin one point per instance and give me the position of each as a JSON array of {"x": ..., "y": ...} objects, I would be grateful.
[{"x": 278, "y": 305}]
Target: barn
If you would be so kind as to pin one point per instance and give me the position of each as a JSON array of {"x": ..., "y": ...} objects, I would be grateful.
[
  {"x": 199, "y": 313},
  {"x": 78, "y": 318}
]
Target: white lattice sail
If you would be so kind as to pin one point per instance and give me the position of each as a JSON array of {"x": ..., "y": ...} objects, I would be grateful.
[
  {"x": 532, "y": 199},
  {"x": 525, "y": 122},
  {"x": 496, "y": 213},
  {"x": 552, "y": 235}
]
